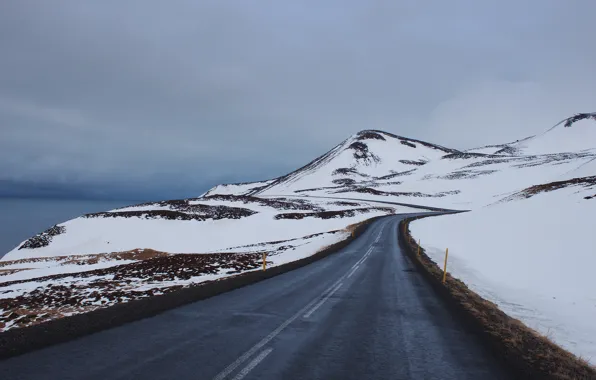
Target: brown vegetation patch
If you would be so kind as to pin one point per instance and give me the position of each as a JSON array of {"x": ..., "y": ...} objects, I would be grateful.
[
  {"x": 530, "y": 354},
  {"x": 6, "y": 272},
  {"x": 85, "y": 291}
]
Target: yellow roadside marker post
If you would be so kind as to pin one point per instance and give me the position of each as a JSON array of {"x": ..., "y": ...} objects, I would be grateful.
[
  {"x": 445, "y": 266},
  {"x": 264, "y": 260}
]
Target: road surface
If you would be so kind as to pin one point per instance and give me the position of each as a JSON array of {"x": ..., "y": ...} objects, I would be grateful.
[{"x": 361, "y": 313}]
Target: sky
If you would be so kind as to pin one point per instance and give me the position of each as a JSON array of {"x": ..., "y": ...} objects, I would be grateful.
[{"x": 164, "y": 99}]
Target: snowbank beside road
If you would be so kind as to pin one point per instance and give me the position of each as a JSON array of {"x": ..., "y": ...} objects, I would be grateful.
[{"x": 531, "y": 257}]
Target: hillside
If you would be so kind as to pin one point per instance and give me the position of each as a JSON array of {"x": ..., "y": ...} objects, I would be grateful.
[{"x": 531, "y": 205}]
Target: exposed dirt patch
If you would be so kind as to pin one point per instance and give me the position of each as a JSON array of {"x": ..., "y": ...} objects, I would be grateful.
[
  {"x": 191, "y": 212},
  {"x": 135, "y": 254},
  {"x": 507, "y": 150},
  {"x": 586, "y": 182},
  {"x": 318, "y": 188},
  {"x": 277, "y": 203},
  {"x": 578, "y": 117},
  {"x": 347, "y": 171},
  {"x": 368, "y": 190},
  {"x": 44, "y": 238},
  {"x": 370, "y": 135},
  {"x": 467, "y": 174},
  {"x": 344, "y": 181},
  {"x": 5, "y": 272},
  {"x": 413, "y": 162},
  {"x": 347, "y": 204},
  {"x": 361, "y": 152},
  {"x": 407, "y": 143},
  {"x": 488, "y": 162},
  {"x": 394, "y": 175},
  {"x": 90, "y": 290},
  {"x": 332, "y": 214},
  {"x": 466, "y": 156}
]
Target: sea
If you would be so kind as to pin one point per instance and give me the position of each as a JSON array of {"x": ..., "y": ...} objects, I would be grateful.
[{"x": 22, "y": 218}]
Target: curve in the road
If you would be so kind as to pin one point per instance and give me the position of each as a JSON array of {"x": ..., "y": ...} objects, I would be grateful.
[{"x": 363, "y": 313}]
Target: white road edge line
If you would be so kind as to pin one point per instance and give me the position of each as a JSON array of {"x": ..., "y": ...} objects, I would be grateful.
[
  {"x": 321, "y": 302},
  {"x": 352, "y": 272},
  {"x": 250, "y": 366},
  {"x": 329, "y": 291}
]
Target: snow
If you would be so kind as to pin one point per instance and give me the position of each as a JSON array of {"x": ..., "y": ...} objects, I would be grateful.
[
  {"x": 236, "y": 188},
  {"x": 100, "y": 235},
  {"x": 580, "y": 136},
  {"x": 532, "y": 257}
]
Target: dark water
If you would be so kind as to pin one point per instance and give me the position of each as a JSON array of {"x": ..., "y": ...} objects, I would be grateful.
[{"x": 22, "y": 218}]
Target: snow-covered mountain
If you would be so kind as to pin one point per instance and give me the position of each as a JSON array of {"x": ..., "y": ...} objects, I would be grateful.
[
  {"x": 532, "y": 202},
  {"x": 378, "y": 165}
]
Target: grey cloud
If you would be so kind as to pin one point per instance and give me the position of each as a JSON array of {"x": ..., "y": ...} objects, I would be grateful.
[{"x": 182, "y": 95}]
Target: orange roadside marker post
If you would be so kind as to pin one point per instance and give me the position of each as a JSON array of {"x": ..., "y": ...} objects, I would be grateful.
[{"x": 445, "y": 266}]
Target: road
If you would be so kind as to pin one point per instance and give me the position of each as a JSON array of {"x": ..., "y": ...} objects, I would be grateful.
[{"x": 361, "y": 313}]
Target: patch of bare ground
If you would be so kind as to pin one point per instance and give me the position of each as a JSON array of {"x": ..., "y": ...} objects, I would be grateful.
[
  {"x": 369, "y": 190},
  {"x": 580, "y": 116},
  {"x": 552, "y": 159},
  {"x": 346, "y": 171},
  {"x": 586, "y": 182},
  {"x": 44, "y": 238},
  {"x": 332, "y": 214},
  {"x": 6, "y": 272},
  {"x": 277, "y": 203},
  {"x": 394, "y": 175},
  {"x": 345, "y": 203},
  {"x": 370, "y": 135},
  {"x": 344, "y": 181},
  {"x": 135, "y": 254},
  {"x": 317, "y": 189},
  {"x": 81, "y": 292},
  {"x": 530, "y": 354},
  {"x": 467, "y": 156},
  {"x": 191, "y": 212},
  {"x": 413, "y": 162},
  {"x": 467, "y": 174}
]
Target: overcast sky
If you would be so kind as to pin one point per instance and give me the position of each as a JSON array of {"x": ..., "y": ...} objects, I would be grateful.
[{"x": 152, "y": 99}]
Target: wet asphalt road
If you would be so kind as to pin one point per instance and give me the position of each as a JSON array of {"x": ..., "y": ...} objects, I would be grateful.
[{"x": 362, "y": 313}]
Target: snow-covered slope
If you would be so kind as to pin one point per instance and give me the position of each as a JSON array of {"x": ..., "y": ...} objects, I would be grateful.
[{"x": 237, "y": 188}]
